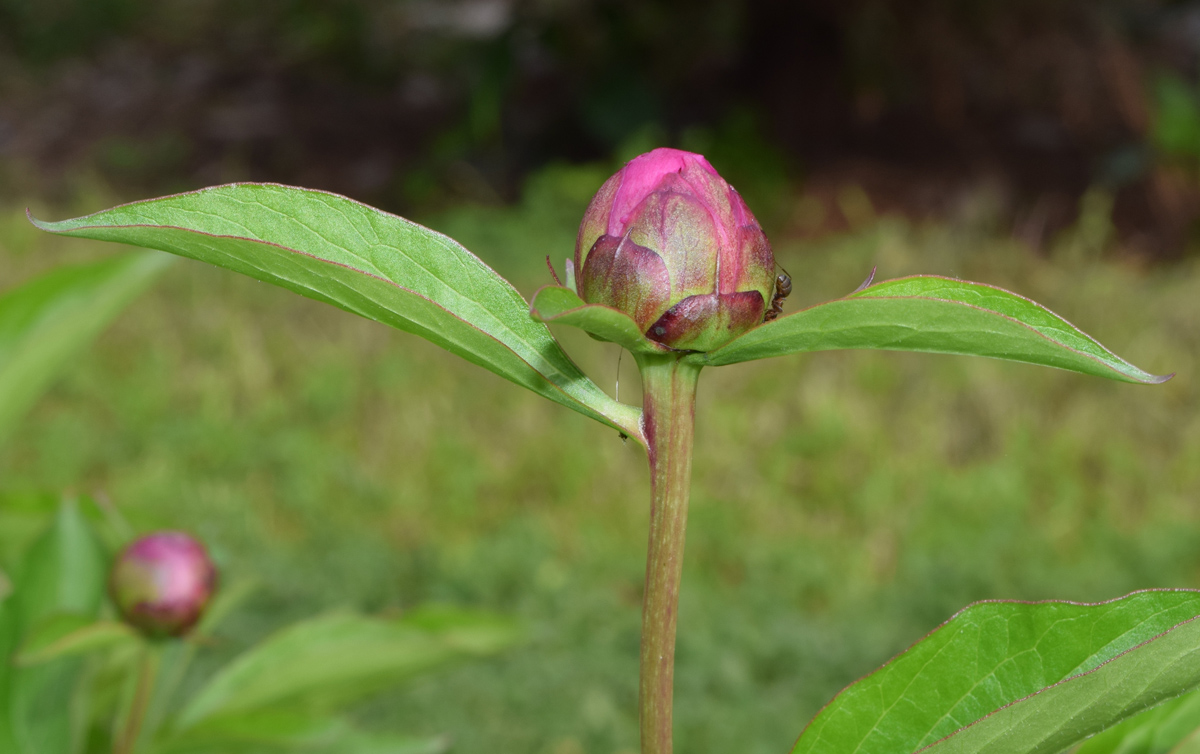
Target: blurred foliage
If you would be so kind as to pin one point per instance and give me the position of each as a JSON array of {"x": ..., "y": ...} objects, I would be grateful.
[
  {"x": 845, "y": 503},
  {"x": 1177, "y": 121},
  {"x": 72, "y": 678}
]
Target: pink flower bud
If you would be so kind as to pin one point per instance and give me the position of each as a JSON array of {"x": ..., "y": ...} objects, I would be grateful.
[
  {"x": 667, "y": 241},
  {"x": 162, "y": 582}
]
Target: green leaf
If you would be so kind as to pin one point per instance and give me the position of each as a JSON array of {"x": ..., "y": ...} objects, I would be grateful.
[
  {"x": 1157, "y": 731},
  {"x": 333, "y": 659},
  {"x": 227, "y": 600},
  {"x": 47, "y": 321},
  {"x": 935, "y": 315},
  {"x": 1018, "y": 678},
  {"x": 63, "y": 573},
  {"x": 70, "y": 634},
  {"x": 553, "y": 304},
  {"x": 366, "y": 261},
  {"x": 288, "y": 730},
  {"x": 358, "y": 742}
]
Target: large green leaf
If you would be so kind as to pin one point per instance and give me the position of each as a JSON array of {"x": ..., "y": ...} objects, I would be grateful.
[
  {"x": 332, "y": 659},
  {"x": 1157, "y": 731},
  {"x": 47, "y": 321},
  {"x": 1018, "y": 678},
  {"x": 366, "y": 261},
  {"x": 936, "y": 315},
  {"x": 63, "y": 573}
]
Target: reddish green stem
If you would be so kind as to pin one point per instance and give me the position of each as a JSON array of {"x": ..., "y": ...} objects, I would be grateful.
[
  {"x": 669, "y": 405},
  {"x": 127, "y": 741}
]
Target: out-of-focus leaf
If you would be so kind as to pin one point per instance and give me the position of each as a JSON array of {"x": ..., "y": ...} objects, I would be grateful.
[
  {"x": 47, "y": 321},
  {"x": 469, "y": 631},
  {"x": 227, "y": 600},
  {"x": 63, "y": 573},
  {"x": 333, "y": 659},
  {"x": 935, "y": 315},
  {"x": 553, "y": 304},
  {"x": 365, "y": 261},
  {"x": 1176, "y": 127},
  {"x": 1018, "y": 678},
  {"x": 70, "y": 634},
  {"x": 374, "y": 743},
  {"x": 1157, "y": 731},
  {"x": 290, "y": 730},
  {"x": 254, "y": 731}
]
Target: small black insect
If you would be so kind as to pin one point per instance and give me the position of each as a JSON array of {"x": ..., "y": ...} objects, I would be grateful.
[{"x": 783, "y": 289}]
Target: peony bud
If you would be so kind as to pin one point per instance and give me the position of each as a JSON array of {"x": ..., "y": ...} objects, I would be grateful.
[
  {"x": 667, "y": 241},
  {"x": 162, "y": 582}
]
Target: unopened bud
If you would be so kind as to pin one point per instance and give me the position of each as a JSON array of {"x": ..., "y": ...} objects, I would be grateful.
[
  {"x": 161, "y": 583},
  {"x": 667, "y": 241}
]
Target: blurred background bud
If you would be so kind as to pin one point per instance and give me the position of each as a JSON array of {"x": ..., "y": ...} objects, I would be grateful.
[
  {"x": 667, "y": 241},
  {"x": 162, "y": 582}
]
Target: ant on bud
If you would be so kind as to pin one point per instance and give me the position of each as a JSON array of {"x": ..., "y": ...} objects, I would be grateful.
[{"x": 783, "y": 289}]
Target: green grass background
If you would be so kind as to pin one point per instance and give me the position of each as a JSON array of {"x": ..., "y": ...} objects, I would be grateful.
[{"x": 843, "y": 505}]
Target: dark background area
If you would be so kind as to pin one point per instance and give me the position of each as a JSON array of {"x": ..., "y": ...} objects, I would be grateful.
[{"x": 413, "y": 104}]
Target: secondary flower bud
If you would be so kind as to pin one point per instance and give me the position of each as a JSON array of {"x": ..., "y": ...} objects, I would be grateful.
[
  {"x": 667, "y": 241},
  {"x": 162, "y": 582}
]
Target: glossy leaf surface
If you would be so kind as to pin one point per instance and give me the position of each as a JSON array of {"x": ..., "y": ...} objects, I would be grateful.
[
  {"x": 1018, "y": 678},
  {"x": 563, "y": 306},
  {"x": 329, "y": 660},
  {"x": 47, "y": 321},
  {"x": 368, "y": 262},
  {"x": 935, "y": 315}
]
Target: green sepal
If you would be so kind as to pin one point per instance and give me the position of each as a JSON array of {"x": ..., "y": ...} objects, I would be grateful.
[{"x": 558, "y": 305}]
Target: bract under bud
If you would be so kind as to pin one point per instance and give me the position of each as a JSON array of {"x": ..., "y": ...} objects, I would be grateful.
[
  {"x": 667, "y": 241},
  {"x": 161, "y": 583}
]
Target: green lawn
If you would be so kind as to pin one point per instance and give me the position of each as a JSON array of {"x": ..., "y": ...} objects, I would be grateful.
[{"x": 844, "y": 504}]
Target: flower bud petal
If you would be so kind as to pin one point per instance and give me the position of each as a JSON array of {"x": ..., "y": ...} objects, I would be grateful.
[
  {"x": 755, "y": 264},
  {"x": 595, "y": 220},
  {"x": 707, "y": 322},
  {"x": 626, "y": 276},
  {"x": 682, "y": 230}
]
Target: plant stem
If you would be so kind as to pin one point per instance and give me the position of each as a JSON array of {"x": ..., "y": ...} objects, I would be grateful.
[
  {"x": 669, "y": 406},
  {"x": 126, "y": 743}
]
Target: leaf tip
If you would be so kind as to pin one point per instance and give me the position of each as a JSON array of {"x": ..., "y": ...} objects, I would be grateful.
[
  {"x": 34, "y": 221},
  {"x": 534, "y": 314},
  {"x": 866, "y": 283}
]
